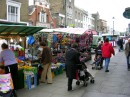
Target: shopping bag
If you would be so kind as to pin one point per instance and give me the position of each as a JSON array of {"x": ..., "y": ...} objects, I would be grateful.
[{"x": 6, "y": 83}]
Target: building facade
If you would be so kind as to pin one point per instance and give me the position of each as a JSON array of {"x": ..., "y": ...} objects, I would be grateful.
[
  {"x": 90, "y": 22},
  {"x": 83, "y": 19},
  {"x": 102, "y": 24},
  {"x": 79, "y": 16},
  {"x": 14, "y": 11},
  {"x": 96, "y": 17},
  {"x": 40, "y": 15},
  {"x": 63, "y": 11}
]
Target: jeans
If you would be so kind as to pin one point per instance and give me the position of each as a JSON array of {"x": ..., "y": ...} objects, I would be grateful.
[
  {"x": 107, "y": 61},
  {"x": 128, "y": 61}
]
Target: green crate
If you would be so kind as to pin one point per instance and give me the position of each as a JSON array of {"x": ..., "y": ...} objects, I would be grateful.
[{"x": 20, "y": 79}]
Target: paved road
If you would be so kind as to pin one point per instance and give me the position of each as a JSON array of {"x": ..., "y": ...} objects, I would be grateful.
[
  {"x": 105, "y": 84},
  {"x": 116, "y": 83}
]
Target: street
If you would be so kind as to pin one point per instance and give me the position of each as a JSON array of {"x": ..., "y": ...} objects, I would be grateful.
[{"x": 112, "y": 84}]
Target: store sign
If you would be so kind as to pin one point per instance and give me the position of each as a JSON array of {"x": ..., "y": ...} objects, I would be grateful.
[{"x": 47, "y": 25}]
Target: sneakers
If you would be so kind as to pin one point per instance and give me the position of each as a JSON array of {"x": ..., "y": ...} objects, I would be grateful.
[{"x": 106, "y": 70}]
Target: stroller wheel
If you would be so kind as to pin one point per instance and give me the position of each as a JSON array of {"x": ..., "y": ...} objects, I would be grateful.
[
  {"x": 77, "y": 83},
  {"x": 92, "y": 81},
  {"x": 85, "y": 84}
]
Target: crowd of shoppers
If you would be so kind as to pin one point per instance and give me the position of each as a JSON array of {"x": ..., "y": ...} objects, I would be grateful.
[{"x": 72, "y": 57}]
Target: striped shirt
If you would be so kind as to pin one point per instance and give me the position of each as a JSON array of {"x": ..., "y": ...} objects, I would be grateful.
[{"x": 7, "y": 56}]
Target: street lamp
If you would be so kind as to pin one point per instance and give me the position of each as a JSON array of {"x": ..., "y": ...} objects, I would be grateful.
[
  {"x": 113, "y": 29},
  {"x": 113, "y": 25}
]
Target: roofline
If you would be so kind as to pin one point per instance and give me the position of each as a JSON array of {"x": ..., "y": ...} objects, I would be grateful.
[{"x": 32, "y": 11}]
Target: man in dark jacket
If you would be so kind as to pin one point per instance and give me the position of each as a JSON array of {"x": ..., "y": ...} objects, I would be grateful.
[
  {"x": 72, "y": 59},
  {"x": 120, "y": 44},
  {"x": 107, "y": 51}
]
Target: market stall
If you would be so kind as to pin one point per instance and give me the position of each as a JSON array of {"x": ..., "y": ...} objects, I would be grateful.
[
  {"x": 15, "y": 36},
  {"x": 62, "y": 38}
]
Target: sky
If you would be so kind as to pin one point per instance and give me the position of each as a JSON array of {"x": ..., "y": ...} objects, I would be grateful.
[{"x": 108, "y": 9}]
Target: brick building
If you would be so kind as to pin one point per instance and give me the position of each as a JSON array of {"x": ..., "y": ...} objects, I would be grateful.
[
  {"x": 14, "y": 11},
  {"x": 40, "y": 15}
]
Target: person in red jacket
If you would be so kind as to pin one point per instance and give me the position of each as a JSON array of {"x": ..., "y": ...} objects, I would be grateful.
[{"x": 107, "y": 51}]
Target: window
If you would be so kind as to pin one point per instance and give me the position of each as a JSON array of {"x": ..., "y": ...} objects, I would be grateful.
[
  {"x": 42, "y": 17},
  {"x": 13, "y": 11}
]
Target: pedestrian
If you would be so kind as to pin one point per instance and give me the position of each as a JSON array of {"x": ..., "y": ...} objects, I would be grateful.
[
  {"x": 127, "y": 53},
  {"x": 46, "y": 59},
  {"x": 126, "y": 40},
  {"x": 99, "y": 41},
  {"x": 120, "y": 44},
  {"x": 98, "y": 53},
  {"x": 72, "y": 59},
  {"x": 107, "y": 50},
  {"x": 8, "y": 58}
]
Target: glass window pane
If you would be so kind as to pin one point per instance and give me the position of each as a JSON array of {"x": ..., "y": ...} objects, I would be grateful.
[
  {"x": 16, "y": 10},
  {"x": 9, "y": 8},
  {"x": 12, "y": 9}
]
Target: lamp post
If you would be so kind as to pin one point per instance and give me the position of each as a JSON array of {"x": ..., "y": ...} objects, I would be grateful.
[
  {"x": 113, "y": 29},
  {"x": 65, "y": 13}
]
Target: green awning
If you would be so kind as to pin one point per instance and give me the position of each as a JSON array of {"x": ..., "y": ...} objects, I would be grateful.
[
  {"x": 18, "y": 30},
  {"x": 12, "y": 23}
]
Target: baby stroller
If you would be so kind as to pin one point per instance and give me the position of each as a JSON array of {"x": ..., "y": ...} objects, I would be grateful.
[
  {"x": 6, "y": 87},
  {"x": 97, "y": 64},
  {"x": 83, "y": 74},
  {"x": 6, "y": 84}
]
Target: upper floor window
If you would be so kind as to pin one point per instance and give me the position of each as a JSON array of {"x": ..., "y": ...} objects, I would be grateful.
[
  {"x": 42, "y": 17},
  {"x": 13, "y": 11}
]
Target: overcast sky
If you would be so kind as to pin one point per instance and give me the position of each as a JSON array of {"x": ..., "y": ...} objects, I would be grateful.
[{"x": 107, "y": 9}]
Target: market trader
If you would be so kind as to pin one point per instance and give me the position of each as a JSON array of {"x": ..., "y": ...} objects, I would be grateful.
[
  {"x": 72, "y": 59},
  {"x": 8, "y": 58}
]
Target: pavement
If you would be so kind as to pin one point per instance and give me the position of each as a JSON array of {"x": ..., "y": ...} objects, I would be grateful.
[{"x": 112, "y": 84}]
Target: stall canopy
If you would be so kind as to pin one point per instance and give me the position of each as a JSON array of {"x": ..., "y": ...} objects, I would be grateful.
[
  {"x": 71, "y": 30},
  {"x": 20, "y": 30}
]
